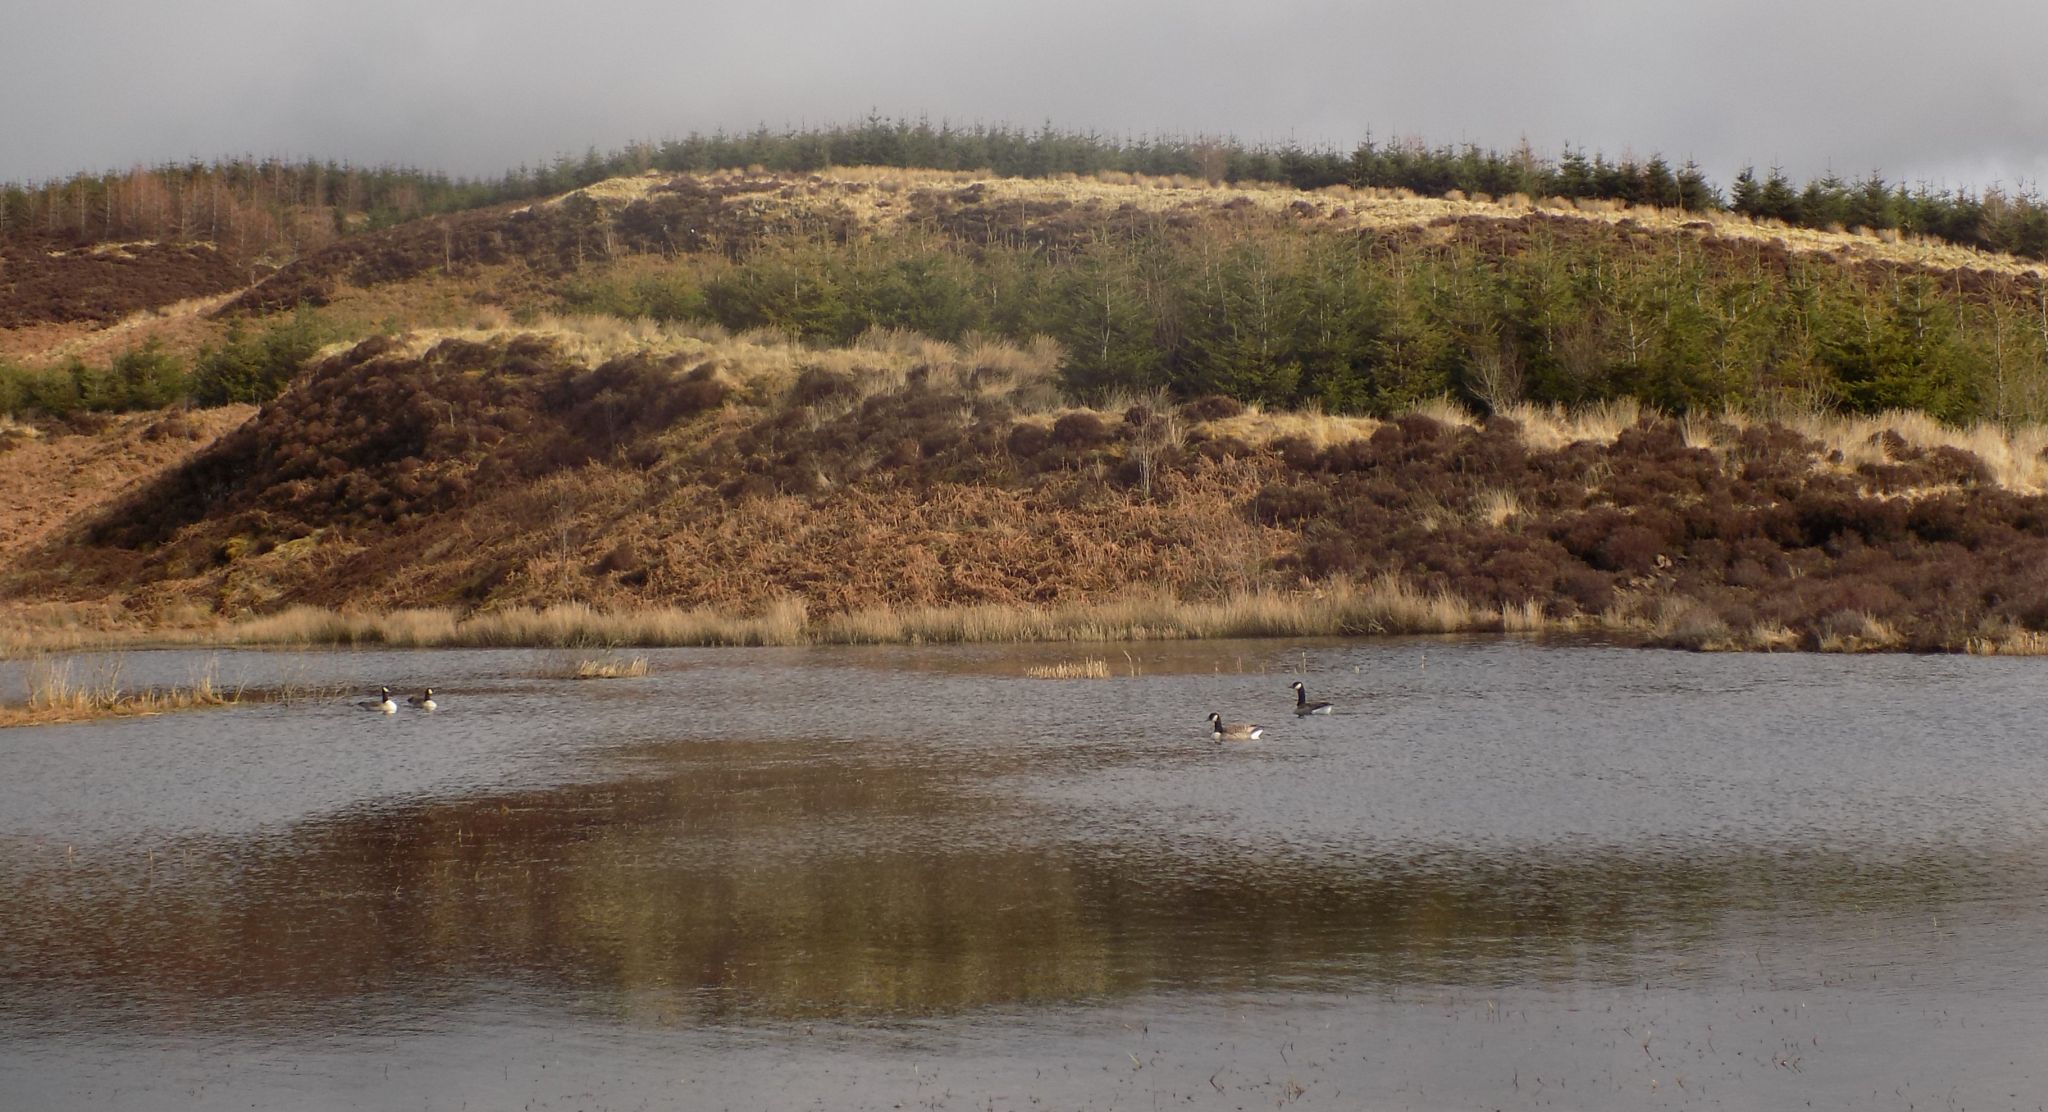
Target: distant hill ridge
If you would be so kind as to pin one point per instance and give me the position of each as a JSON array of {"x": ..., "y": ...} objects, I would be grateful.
[{"x": 275, "y": 208}]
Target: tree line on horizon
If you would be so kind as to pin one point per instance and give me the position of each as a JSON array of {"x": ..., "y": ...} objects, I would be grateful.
[{"x": 271, "y": 206}]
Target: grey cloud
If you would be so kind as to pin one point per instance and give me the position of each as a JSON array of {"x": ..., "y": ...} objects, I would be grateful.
[{"x": 476, "y": 87}]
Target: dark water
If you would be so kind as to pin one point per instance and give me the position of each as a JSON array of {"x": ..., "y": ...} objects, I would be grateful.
[{"x": 1502, "y": 876}]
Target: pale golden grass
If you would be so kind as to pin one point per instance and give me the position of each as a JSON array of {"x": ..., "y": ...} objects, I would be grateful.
[
  {"x": 1697, "y": 430},
  {"x": 1387, "y": 604},
  {"x": 1445, "y": 410},
  {"x": 1548, "y": 428},
  {"x": 564, "y": 625},
  {"x": 2012, "y": 454},
  {"x": 1524, "y": 617},
  {"x": 56, "y": 693},
  {"x": 608, "y": 668},
  {"x": 1321, "y": 430},
  {"x": 27, "y": 629},
  {"x": 1854, "y": 632},
  {"x": 590, "y": 338},
  {"x": 618, "y": 192},
  {"x": 1094, "y": 668},
  {"x": 763, "y": 364},
  {"x": 2009, "y": 641},
  {"x": 1497, "y": 507}
]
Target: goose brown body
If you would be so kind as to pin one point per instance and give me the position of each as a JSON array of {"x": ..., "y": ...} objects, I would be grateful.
[{"x": 1233, "y": 731}]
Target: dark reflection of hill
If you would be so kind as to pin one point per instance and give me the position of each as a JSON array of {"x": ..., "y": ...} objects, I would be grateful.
[{"x": 783, "y": 885}]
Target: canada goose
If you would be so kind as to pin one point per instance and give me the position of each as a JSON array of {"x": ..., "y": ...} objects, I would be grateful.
[
  {"x": 383, "y": 702},
  {"x": 424, "y": 700},
  {"x": 1232, "y": 731},
  {"x": 1303, "y": 706}
]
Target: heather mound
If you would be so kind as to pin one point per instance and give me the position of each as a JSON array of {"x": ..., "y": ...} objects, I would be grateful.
[{"x": 907, "y": 473}]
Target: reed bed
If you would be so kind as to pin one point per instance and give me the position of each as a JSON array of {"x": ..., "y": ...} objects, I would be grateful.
[
  {"x": 1388, "y": 604},
  {"x": 565, "y": 625},
  {"x": 57, "y": 693}
]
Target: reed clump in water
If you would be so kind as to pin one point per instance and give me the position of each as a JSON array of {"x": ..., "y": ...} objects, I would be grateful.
[
  {"x": 57, "y": 694},
  {"x": 610, "y": 669},
  {"x": 1092, "y": 669}
]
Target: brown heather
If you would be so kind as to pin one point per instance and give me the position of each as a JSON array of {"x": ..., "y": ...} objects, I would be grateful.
[{"x": 500, "y": 492}]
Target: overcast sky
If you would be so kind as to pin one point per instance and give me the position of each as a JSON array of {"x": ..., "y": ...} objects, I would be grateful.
[{"x": 1951, "y": 94}]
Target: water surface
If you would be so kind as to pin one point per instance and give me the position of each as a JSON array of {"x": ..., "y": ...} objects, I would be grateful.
[{"x": 1503, "y": 875}]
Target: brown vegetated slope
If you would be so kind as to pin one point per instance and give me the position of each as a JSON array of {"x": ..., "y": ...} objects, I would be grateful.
[
  {"x": 102, "y": 283},
  {"x": 489, "y": 474},
  {"x": 57, "y": 476}
]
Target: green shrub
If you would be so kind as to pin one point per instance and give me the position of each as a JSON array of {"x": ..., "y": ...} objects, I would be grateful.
[
  {"x": 256, "y": 368},
  {"x": 147, "y": 377}
]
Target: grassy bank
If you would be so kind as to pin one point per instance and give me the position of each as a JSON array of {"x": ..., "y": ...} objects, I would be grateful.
[{"x": 1388, "y": 605}]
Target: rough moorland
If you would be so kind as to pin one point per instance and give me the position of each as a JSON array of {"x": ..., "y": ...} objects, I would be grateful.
[{"x": 487, "y": 474}]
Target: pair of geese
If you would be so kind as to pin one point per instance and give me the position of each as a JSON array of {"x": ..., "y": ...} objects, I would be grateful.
[
  {"x": 1244, "y": 731},
  {"x": 424, "y": 701}
]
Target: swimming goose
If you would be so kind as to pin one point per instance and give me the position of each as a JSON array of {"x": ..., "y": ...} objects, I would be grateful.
[
  {"x": 424, "y": 700},
  {"x": 1232, "y": 731},
  {"x": 383, "y": 702},
  {"x": 1303, "y": 706}
]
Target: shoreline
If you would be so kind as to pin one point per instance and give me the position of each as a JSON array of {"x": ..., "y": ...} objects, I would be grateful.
[{"x": 1388, "y": 606}]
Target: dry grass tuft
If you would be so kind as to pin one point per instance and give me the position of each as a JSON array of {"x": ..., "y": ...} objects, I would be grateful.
[
  {"x": 2009, "y": 641},
  {"x": 1854, "y": 632},
  {"x": 1092, "y": 669},
  {"x": 1548, "y": 428},
  {"x": 609, "y": 669},
  {"x": 1445, "y": 411},
  {"x": 1497, "y": 507},
  {"x": 1320, "y": 430}
]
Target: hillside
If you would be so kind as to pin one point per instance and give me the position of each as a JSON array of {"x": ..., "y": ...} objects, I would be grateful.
[{"x": 911, "y": 392}]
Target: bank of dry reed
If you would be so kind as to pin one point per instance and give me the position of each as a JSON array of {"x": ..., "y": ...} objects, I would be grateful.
[{"x": 1388, "y": 604}]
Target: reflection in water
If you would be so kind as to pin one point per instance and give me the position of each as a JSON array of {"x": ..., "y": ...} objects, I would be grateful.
[
  {"x": 1674, "y": 883},
  {"x": 766, "y": 878}
]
